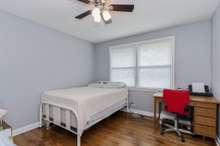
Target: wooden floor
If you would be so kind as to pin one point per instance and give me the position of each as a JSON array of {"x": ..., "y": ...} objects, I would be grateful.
[{"x": 121, "y": 129}]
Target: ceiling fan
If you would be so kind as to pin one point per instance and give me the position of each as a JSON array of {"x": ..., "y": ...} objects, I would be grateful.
[{"x": 100, "y": 10}]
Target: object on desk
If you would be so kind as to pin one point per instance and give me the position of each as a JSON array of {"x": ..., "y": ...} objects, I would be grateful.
[{"x": 200, "y": 89}]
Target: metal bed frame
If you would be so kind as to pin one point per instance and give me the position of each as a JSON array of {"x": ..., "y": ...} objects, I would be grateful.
[{"x": 56, "y": 119}]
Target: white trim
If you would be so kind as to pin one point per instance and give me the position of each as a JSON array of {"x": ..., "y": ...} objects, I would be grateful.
[
  {"x": 217, "y": 141},
  {"x": 145, "y": 41},
  {"x": 149, "y": 90},
  {"x": 38, "y": 124},
  {"x": 109, "y": 65},
  {"x": 136, "y": 66},
  {"x": 25, "y": 129},
  {"x": 173, "y": 62},
  {"x": 141, "y": 112}
]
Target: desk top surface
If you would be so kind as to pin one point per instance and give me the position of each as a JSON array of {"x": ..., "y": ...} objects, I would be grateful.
[{"x": 194, "y": 98}]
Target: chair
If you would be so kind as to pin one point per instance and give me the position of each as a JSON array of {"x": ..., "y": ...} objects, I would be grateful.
[{"x": 174, "y": 111}]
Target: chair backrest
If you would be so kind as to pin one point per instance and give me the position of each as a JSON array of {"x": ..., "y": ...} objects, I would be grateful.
[{"x": 176, "y": 100}]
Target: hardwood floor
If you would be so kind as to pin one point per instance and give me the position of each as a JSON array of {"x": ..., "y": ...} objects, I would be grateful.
[{"x": 121, "y": 129}]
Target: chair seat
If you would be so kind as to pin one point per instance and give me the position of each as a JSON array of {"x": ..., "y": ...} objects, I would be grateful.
[
  {"x": 168, "y": 116},
  {"x": 185, "y": 122},
  {"x": 173, "y": 117}
]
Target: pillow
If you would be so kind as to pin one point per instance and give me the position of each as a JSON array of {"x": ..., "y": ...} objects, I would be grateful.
[
  {"x": 98, "y": 85},
  {"x": 107, "y": 84},
  {"x": 115, "y": 85}
]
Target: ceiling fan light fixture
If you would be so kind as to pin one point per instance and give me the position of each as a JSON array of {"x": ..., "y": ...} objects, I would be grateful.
[
  {"x": 106, "y": 15},
  {"x": 100, "y": 10},
  {"x": 103, "y": 1},
  {"x": 97, "y": 19},
  {"x": 96, "y": 13}
]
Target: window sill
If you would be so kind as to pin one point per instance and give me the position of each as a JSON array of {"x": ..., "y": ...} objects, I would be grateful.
[{"x": 145, "y": 89}]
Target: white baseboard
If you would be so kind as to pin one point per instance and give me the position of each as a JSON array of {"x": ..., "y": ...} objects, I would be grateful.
[
  {"x": 144, "y": 113},
  {"x": 217, "y": 141},
  {"x": 25, "y": 128},
  {"x": 38, "y": 124}
]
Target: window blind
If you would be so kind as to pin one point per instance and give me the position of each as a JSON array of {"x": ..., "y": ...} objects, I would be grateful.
[{"x": 145, "y": 64}]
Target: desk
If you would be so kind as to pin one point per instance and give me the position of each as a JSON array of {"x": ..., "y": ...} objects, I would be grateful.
[{"x": 205, "y": 114}]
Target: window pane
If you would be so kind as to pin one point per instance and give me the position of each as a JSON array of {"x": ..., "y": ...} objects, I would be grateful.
[
  {"x": 123, "y": 57},
  {"x": 124, "y": 75},
  {"x": 155, "y": 53},
  {"x": 155, "y": 77}
]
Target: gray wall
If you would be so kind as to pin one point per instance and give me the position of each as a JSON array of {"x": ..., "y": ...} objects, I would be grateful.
[
  {"x": 192, "y": 57},
  {"x": 33, "y": 59},
  {"x": 216, "y": 55}
]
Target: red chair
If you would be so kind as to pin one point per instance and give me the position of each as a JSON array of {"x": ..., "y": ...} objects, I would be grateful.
[{"x": 175, "y": 103}]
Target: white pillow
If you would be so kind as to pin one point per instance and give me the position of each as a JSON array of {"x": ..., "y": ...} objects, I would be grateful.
[
  {"x": 115, "y": 85},
  {"x": 98, "y": 85},
  {"x": 107, "y": 84}
]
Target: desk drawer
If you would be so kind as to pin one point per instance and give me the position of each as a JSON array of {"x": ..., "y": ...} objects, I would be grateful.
[
  {"x": 205, "y": 121},
  {"x": 205, "y": 112},
  {"x": 205, "y": 131},
  {"x": 205, "y": 105}
]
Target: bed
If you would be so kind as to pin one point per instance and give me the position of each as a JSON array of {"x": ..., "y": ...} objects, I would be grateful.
[{"x": 77, "y": 109}]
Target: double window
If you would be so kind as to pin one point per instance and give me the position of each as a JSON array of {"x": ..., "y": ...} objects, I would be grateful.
[{"x": 148, "y": 64}]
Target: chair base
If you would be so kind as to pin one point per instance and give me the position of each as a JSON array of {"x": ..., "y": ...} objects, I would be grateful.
[
  {"x": 181, "y": 130},
  {"x": 176, "y": 130}
]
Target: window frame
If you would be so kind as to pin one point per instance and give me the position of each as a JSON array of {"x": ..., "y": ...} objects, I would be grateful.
[{"x": 136, "y": 67}]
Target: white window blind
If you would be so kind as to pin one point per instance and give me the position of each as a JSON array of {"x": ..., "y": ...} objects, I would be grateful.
[
  {"x": 123, "y": 65},
  {"x": 145, "y": 64}
]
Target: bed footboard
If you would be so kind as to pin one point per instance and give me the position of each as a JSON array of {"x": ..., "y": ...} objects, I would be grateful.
[
  {"x": 61, "y": 117},
  {"x": 67, "y": 119}
]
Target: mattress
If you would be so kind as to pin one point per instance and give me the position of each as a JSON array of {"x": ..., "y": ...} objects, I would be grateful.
[{"x": 85, "y": 101}]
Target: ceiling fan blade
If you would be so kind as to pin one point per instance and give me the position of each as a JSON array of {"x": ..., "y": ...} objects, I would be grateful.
[
  {"x": 85, "y": 1},
  {"x": 121, "y": 7},
  {"x": 83, "y": 15}
]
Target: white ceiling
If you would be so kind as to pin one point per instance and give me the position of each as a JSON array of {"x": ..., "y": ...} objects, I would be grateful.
[{"x": 148, "y": 15}]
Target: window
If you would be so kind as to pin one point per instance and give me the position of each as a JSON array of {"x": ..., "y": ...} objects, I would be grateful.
[{"x": 145, "y": 64}]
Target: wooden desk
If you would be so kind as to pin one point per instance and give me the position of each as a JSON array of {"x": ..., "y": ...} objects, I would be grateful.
[{"x": 205, "y": 114}]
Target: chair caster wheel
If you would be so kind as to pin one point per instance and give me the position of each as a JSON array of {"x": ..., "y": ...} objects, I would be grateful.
[{"x": 161, "y": 132}]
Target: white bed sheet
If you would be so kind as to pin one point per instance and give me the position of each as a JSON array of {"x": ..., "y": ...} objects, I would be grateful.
[{"x": 85, "y": 101}]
